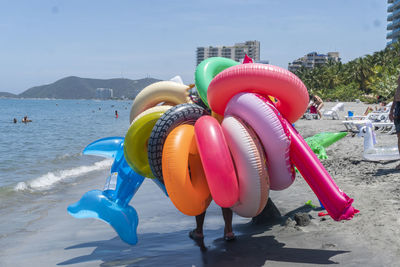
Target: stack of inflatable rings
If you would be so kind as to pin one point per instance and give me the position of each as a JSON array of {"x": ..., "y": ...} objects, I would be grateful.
[{"x": 234, "y": 156}]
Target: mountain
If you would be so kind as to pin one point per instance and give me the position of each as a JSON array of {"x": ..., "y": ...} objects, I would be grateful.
[
  {"x": 85, "y": 88},
  {"x": 8, "y": 95}
]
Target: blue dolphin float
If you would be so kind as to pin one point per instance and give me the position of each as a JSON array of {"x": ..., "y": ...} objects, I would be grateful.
[{"x": 112, "y": 204}]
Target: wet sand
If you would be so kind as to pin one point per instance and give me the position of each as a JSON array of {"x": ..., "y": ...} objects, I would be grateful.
[{"x": 371, "y": 238}]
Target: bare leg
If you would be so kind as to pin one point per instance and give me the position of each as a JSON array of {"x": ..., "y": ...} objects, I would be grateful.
[
  {"x": 200, "y": 223},
  {"x": 228, "y": 231},
  {"x": 227, "y": 214},
  {"x": 197, "y": 234},
  {"x": 319, "y": 110}
]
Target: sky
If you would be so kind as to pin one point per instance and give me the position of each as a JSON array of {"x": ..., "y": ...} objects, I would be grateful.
[{"x": 43, "y": 41}]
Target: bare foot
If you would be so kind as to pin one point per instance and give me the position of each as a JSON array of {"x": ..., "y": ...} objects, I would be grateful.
[
  {"x": 195, "y": 235},
  {"x": 229, "y": 237}
]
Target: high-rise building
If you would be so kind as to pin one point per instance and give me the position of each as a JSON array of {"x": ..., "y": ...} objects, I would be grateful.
[
  {"x": 236, "y": 52},
  {"x": 393, "y": 21},
  {"x": 312, "y": 60},
  {"x": 104, "y": 93}
]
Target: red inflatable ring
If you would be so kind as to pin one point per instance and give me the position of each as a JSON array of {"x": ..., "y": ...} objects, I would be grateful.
[
  {"x": 264, "y": 79},
  {"x": 217, "y": 161}
]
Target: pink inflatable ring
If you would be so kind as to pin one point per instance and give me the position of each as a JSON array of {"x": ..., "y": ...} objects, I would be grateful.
[{"x": 264, "y": 79}]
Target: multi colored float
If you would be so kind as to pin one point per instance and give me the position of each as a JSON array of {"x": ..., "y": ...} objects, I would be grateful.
[{"x": 233, "y": 153}]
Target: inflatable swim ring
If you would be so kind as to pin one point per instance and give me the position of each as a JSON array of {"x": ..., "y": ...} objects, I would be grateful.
[
  {"x": 177, "y": 115},
  {"x": 217, "y": 162},
  {"x": 207, "y": 70},
  {"x": 265, "y": 122},
  {"x": 188, "y": 190},
  {"x": 373, "y": 153},
  {"x": 248, "y": 156},
  {"x": 280, "y": 83},
  {"x": 168, "y": 92},
  {"x": 135, "y": 144},
  {"x": 162, "y": 108}
]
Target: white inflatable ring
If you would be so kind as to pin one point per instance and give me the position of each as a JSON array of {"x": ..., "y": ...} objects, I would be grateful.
[
  {"x": 168, "y": 92},
  {"x": 248, "y": 156}
]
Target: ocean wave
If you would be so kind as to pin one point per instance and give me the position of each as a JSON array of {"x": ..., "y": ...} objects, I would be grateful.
[
  {"x": 47, "y": 181},
  {"x": 67, "y": 156}
]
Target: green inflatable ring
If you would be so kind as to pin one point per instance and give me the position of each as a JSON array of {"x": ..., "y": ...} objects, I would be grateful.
[
  {"x": 135, "y": 143},
  {"x": 207, "y": 70}
]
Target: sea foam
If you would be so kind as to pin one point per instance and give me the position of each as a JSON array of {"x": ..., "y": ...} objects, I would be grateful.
[{"x": 48, "y": 180}]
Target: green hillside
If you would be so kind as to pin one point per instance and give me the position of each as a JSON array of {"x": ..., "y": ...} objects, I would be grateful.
[
  {"x": 85, "y": 88},
  {"x": 5, "y": 94}
]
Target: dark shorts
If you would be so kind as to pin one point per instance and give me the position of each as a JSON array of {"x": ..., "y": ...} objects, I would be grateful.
[
  {"x": 396, "y": 115},
  {"x": 397, "y": 125}
]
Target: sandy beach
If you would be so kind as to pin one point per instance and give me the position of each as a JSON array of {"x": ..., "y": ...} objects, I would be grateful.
[{"x": 371, "y": 238}]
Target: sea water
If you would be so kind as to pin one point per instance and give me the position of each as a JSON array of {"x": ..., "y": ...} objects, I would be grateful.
[
  {"x": 42, "y": 171},
  {"x": 42, "y": 158}
]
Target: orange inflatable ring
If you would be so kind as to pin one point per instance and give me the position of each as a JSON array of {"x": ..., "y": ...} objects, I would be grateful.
[
  {"x": 188, "y": 191},
  {"x": 263, "y": 79}
]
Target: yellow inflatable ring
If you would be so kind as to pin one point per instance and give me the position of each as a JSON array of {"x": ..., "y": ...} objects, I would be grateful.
[
  {"x": 168, "y": 92},
  {"x": 188, "y": 191},
  {"x": 135, "y": 143},
  {"x": 162, "y": 108}
]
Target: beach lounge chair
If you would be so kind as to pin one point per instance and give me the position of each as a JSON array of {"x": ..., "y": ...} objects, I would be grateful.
[
  {"x": 355, "y": 125},
  {"x": 379, "y": 119},
  {"x": 372, "y": 115},
  {"x": 383, "y": 125},
  {"x": 311, "y": 113},
  {"x": 333, "y": 112},
  {"x": 311, "y": 116}
]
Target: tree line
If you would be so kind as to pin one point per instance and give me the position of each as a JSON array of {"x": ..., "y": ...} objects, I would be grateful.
[{"x": 363, "y": 78}]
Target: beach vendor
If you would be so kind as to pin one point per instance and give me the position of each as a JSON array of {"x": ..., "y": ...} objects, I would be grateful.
[
  {"x": 197, "y": 234},
  {"x": 394, "y": 114},
  {"x": 316, "y": 104}
]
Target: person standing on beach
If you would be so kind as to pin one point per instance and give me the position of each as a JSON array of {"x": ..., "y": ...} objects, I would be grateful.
[{"x": 394, "y": 114}]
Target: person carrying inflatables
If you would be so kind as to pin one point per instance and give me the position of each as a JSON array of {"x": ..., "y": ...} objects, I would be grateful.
[
  {"x": 394, "y": 114},
  {"x": 316, "y": 104},
  {"x": 197, "y": 234}
]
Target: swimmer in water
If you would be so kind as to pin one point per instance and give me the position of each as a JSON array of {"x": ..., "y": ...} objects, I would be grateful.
[{"x": 25, "y": 119}]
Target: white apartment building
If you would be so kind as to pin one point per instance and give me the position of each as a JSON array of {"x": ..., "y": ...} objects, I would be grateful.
[
  {"x": 393, "y": 21},
  {"x": 236, "y": 52},
  {"x": 312, "y": 60},
  {"x": 104, "y": 93}
]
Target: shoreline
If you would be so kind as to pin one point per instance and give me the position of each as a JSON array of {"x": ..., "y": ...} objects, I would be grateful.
[{"x": 369, "y": 239}]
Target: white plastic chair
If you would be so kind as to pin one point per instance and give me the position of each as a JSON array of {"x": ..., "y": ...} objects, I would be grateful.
[
  {"x": 379, "y": 123},
  {"x": 372, "y": 115},
  {"x": 333, "y": 112},
  {"x": 310, "y": 116}
]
